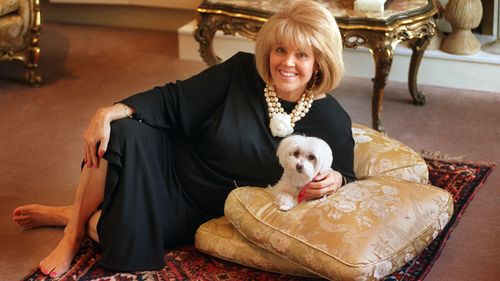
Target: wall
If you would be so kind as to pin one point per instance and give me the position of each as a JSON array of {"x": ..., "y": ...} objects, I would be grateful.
[{"x": 149, "y": 14}]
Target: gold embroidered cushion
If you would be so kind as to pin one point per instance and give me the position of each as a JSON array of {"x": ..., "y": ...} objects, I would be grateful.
[
  {"x": 366, "y": 230},
  {"x": 8, "y": 6},
  {"x": 10, "y": 30},
  {"x": 376, "y": 154},
  {"x": 14, "y": 23},
  {"x": 219, "y": 238}
]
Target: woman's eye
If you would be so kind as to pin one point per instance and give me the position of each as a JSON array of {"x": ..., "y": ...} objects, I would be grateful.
[
  {"x": 280, "y": 50},
  {"x": 311, "y": 157},
  {"x": 302, "y": 55}
]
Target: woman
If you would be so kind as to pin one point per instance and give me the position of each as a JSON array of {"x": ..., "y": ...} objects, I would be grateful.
[{"x": 156, "y": 176}]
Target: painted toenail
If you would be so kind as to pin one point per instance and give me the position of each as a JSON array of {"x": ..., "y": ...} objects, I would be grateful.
[{"x": 53, "y": 274}]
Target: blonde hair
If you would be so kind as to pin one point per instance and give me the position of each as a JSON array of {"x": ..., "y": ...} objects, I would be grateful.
[{"x": 308, "y": 26}]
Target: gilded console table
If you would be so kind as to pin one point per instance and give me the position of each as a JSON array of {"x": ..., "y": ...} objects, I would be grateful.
[{"x": 411, "y": 21}]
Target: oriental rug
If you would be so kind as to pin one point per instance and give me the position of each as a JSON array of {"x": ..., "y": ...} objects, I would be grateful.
[{"x": 461, "y": 179}]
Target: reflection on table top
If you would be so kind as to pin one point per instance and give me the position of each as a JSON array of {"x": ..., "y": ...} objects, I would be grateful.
[{"x": 339, "y": 8}]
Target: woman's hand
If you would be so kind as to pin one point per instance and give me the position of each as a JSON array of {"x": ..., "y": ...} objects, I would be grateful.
[
  {"x": 97, "y": 132},
  {"x": 323, "y": 184}
]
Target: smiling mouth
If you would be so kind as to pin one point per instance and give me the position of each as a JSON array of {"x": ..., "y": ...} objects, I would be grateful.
[{"x": 287, "y": 73}]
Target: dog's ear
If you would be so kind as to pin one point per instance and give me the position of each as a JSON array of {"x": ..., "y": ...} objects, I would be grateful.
[
  {"x": 324, "y": 155},
  {"x": 285, "y": 146}
]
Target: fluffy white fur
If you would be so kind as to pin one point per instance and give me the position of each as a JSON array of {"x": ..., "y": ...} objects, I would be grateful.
[{"x": 302, "y": 159}]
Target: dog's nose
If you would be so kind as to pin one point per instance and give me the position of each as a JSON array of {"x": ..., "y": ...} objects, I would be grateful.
[{"x": 299, "y": 167}]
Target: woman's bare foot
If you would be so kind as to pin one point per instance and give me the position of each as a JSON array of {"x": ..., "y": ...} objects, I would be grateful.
[
  {"x": 31, "y": 216},
  {"x": 59, "y": 260}
]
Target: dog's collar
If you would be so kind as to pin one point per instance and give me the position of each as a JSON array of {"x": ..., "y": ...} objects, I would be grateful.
[{"x": 302, "y": 194}]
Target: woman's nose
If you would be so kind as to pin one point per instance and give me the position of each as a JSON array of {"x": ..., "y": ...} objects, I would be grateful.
[{"x": 290, "y": 60}]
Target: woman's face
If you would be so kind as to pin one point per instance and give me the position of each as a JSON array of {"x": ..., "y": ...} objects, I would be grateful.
[{"x": 291, "y": 69}]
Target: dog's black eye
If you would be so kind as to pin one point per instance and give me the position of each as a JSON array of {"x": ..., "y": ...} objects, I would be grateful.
[
  {"x": 311, "y": 157},
  {"x": 296, "y": 153}
]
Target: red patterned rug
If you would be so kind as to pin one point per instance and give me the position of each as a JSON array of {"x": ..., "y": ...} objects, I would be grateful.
[{"x": 461, "y": 179}]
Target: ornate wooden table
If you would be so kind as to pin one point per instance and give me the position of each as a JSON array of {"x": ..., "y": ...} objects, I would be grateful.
[{"x": 411, "y": 21}]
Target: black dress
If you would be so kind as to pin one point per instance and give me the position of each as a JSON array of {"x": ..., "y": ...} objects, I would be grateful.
[{"x": 189, "y": 144}]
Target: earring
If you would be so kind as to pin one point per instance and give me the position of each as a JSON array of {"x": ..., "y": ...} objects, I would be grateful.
[{"x": 314, "y": 79}]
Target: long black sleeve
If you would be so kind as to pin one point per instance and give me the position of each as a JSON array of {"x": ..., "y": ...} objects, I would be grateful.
[{"x": 186, "y": 105}]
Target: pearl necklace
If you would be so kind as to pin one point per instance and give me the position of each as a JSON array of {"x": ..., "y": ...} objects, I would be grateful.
[{"x": 282, "y": 123}]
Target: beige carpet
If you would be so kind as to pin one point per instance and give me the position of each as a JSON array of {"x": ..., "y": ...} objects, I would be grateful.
[{"x": 86, "y": 67}]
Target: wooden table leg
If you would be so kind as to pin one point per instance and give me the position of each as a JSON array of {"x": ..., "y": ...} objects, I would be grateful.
[
  {"x": 204, "y": 34},
  {"x": 382, "y": 54},
  {"x": 209, "y": 24},
  {"x": 418, "y": 46}
]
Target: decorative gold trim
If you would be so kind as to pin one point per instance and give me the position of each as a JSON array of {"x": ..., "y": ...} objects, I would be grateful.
[
  {"x": 33, "y": 51},
  {"x": 340, "y": 21},
  {"x": 230, "y": 14},
  {"x": 391, "y": 27}
]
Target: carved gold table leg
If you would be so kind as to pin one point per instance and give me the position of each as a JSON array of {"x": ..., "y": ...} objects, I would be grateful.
[
  {"x": 382, "y": 54},
  {"x": 204, "y": 34},
  {"x": 422, "y": 34},
  {"x": 209, "y": 24},
  {"x": 418, "y": 46}
]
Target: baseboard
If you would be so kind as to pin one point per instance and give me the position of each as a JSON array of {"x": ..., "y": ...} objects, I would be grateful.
[{"x": 475, "y": 72}]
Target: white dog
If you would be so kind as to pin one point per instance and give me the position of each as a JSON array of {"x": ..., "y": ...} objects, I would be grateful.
[{"x": 302, "y": 159}]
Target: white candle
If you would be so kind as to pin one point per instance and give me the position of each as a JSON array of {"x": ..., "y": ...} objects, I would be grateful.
[{"x": 370, "y": 5}]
